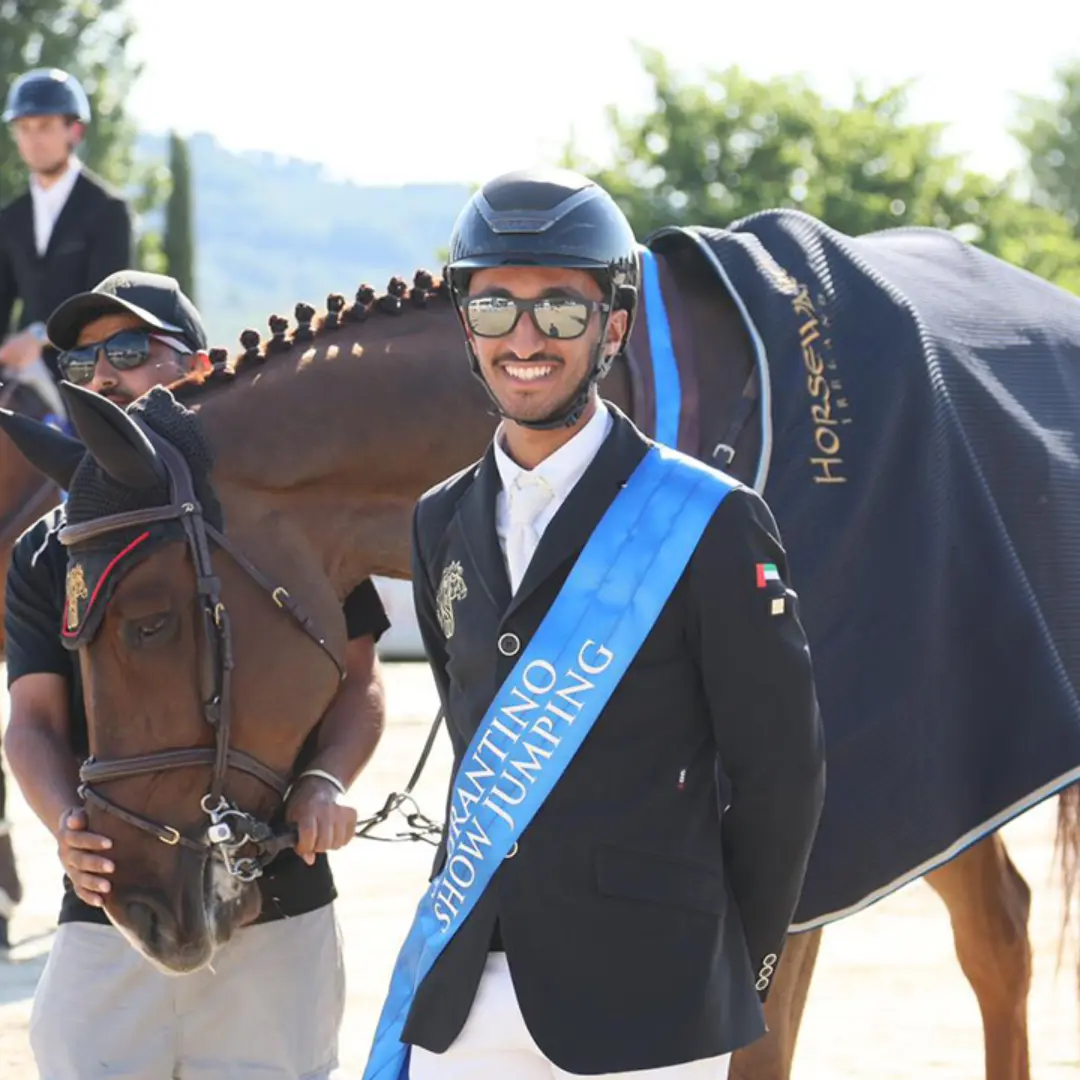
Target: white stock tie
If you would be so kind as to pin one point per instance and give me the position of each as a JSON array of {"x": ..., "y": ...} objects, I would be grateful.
[{"x": 528, "y": 495}]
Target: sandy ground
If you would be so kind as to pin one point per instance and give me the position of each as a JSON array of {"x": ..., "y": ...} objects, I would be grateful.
[{"x": 888, "y": 999}]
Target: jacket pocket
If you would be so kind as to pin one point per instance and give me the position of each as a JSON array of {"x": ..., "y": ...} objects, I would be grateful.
[{"x": 639, "y": 875}]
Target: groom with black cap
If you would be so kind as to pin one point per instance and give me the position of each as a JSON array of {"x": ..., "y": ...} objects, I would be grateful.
[
  {"x": 100, "y": 1008},
  {"x": 145, "y": 333}
]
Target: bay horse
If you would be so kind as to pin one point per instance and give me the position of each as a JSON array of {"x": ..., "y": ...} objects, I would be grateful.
[
  {"x": 306, "y": 454},
  {"x": 24, "y": 493}
]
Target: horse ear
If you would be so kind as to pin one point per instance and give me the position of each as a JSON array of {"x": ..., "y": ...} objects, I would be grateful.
[
  {"x": 51, "y": 452},
  {"x": 113, "y": 439}
]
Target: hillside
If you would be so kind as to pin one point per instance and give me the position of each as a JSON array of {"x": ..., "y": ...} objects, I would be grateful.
[{"x": 271, "y": 231}]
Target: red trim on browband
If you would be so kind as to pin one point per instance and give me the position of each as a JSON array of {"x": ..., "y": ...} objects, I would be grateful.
[{"x": 101, "y": 581}]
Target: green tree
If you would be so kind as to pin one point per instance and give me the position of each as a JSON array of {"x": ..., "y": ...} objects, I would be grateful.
[
  {"x": 712, "y": 152},
  {"x": 179, "y": 245},
  {"x": 90, "y": 39},
  {"x": 150, "y": 193},
  {"x": 1034, "y": 237},
  {"x": 1049, "y": 130}
]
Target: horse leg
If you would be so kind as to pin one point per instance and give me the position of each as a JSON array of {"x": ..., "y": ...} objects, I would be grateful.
[
  {"x": 989, "y": 903},
  {"x": 1067, "y": 848},
  {"x": 771, "y": 1057}
]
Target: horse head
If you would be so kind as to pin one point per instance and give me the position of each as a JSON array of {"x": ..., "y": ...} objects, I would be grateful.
[{"x": 192, "y": 737}]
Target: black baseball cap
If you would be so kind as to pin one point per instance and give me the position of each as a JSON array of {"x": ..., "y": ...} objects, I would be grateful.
[{"x": 155, "y": 298}]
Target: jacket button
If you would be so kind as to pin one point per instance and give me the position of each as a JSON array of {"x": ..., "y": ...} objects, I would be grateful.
[{"x": 509, "y": 644}]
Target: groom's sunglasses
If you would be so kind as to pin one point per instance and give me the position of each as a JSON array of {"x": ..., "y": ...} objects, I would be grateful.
[
  {"x": 562, "y": 317},
  {"x": 125, "y": 351}
]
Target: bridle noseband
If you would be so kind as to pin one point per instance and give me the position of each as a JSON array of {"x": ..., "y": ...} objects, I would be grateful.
[{"x": 229, "y": 829}]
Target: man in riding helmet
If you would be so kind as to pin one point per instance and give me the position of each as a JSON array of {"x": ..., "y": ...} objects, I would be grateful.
[
  {"x": 64, "y": 234},
  {"x": 100, "y": 1008},
  {"x": 633, "y": 926}
]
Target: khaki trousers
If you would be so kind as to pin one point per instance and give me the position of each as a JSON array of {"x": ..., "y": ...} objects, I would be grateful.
[{"x": 271, "y": 1008}]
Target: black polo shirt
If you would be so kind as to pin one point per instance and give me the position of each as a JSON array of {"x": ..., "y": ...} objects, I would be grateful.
[{"x": 35, "y": 606}]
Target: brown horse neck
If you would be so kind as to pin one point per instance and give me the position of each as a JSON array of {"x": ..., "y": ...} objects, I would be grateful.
[
  {"x": 332, "y": 439},
  {"x": 339, "y": 436}
]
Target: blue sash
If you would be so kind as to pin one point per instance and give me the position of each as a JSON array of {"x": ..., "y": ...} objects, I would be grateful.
[
  {"x": 666, "y": 380},
  {"x": 549, "y": 702}
]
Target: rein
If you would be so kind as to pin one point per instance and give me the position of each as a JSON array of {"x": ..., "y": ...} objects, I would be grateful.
[{"x": 418, "y": 825}]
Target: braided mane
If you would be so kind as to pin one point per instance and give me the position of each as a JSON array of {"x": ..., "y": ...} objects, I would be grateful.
[{"x": 398, "y": 299}]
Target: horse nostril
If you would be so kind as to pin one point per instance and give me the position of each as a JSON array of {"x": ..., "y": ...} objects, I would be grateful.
[{"x": 148, "y": 921}]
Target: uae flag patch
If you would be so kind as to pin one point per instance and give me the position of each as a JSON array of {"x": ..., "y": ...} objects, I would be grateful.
[{"x": 766, "y": 572}]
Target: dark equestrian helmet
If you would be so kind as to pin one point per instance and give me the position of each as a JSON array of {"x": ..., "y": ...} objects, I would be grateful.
[{"x": 47, "y": 92}]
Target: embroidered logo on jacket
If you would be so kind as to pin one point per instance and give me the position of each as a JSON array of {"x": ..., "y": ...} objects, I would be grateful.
[{"x": 452, "y": 587}]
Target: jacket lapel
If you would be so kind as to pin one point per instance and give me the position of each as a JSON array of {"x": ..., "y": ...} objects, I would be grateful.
[
  {"x": 573, "y": 524},
  {"x": 71, "y": 211},
  {"x": 476, "y": 516}
]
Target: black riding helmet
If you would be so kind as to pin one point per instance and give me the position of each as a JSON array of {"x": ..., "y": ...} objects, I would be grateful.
[
  {"x": 547, "y": 217},
  {"x": 47, "y": 92}
]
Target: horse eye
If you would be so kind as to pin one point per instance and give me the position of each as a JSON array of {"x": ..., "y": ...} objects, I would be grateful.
[{"x": 149, "y": 629}]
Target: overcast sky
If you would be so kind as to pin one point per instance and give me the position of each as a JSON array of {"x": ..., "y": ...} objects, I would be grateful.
[{"x": 395, "y": 92}]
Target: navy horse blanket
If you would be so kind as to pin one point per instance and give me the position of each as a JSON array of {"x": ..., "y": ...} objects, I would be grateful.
[{"x": 921, "y": 405}]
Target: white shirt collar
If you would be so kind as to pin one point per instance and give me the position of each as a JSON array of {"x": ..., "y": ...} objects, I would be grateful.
[
  {"x": 564, "y": 468},
  {"x": 58, "y": 192},
  {"x": 49, "y": 202}
]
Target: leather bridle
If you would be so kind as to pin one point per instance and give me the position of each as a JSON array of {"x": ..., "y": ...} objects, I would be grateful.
[{"x": 229, "y": 829}]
